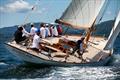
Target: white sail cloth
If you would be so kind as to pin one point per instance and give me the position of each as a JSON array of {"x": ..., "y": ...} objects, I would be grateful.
[
  {"x": 82, "y": 13},
  {"x": 114, "y": 33}
]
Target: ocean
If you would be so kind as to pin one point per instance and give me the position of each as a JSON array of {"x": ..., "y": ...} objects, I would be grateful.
[{"x": 13, "y": 68}]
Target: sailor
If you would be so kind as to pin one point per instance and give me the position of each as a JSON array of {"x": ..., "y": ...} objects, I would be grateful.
[
  {"x": 32, "y": 30},
  {"x": 19, "y": 35},
  {"x": 47, "y": 30},
  {"x": 36, "y": 41},
  {"x": 42, "y": 30},
  {"x": 59, "y": 28},
  {"x": 79, "y": 47},
  {"x": 25, "y": 33},
  {"x": 51, "y": 30},
  {"x": 55, "y": 32}
]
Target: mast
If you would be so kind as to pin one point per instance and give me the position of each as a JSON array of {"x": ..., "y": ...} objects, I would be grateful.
[{"x": 96, "y": 21}]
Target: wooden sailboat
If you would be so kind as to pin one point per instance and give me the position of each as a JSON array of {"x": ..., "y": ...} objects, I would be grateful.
[{"x": 80, "y": 14}]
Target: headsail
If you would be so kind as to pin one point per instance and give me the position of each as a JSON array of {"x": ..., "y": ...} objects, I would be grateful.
[
  {"x": 114, "y": 33},
  {"x": 82, "y": 13}
]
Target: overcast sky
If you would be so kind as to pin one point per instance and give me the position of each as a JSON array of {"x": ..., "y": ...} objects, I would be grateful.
[{"x": 13, "y": 12}]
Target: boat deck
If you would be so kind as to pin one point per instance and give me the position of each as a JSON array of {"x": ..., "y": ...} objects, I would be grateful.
[{"x": 94, "y": 51}]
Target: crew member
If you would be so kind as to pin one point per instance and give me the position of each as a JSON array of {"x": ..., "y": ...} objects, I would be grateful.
[
  {"x": 19, "y": 35},
  {"x": 79, "y": 47}
]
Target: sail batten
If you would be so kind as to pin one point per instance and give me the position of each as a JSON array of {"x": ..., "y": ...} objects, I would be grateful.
[{"x": 82, "y": 13}]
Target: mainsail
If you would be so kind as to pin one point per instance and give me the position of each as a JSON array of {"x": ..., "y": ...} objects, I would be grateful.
[
  {"x": 114, "y": 33},
  {"x": 82, "y": 13}
]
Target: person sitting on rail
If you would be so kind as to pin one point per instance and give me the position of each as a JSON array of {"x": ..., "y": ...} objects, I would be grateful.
[
  {"x": 25, "y": 33},
  {"x": 19, "y": 35}
]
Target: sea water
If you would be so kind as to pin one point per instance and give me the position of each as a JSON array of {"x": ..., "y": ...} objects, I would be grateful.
[{"x": 14, "y": 68}]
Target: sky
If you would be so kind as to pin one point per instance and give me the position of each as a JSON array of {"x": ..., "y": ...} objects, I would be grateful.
[{"x": 14, "y": 12}]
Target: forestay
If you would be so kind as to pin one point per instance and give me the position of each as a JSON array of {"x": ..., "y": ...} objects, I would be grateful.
[{"x": 82, "y": 13}]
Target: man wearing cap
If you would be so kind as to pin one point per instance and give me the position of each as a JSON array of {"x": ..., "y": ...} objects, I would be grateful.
[{"x": 32, "y": 30}]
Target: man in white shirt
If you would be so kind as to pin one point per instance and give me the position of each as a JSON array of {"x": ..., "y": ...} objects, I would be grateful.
[
  {"x": 55, "y": 32},
  {"x": 33, "y": 29},
  {"x": 36, "y": 41},
  {"x": 25, "y": 33},
  {"x": 42, "y": 30}
]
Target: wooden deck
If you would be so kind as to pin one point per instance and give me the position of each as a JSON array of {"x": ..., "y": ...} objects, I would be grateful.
[{"x": 94, "y": 51}]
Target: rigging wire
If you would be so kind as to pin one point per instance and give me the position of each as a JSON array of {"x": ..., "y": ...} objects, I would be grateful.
[
  {"x": 106, "y": 6},
  {"x": 95, "y": 20},
  {"x": 32, "y": 9},
  {"x": 116, "y": 14},
  {"x": 94, "y": 14}
]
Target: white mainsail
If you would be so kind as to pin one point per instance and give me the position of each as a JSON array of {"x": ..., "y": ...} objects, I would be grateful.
[
  {"x": 82, "y": 13},
  {"x": 114, "y": 33}
]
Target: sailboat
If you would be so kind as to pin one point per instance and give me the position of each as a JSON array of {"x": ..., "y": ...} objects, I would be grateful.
[{"x": 80, "y": 14}]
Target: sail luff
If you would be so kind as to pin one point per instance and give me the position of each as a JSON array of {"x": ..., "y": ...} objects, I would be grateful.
[
  {"x": 82, "y": 13},
  {"x": 114, "y": 33}
]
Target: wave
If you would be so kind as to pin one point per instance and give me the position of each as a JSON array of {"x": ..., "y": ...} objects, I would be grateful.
[
  {"x": 83, "y": 73},
  {"x": 3, "y": 63},
  {"x": 115, "y": 60}
]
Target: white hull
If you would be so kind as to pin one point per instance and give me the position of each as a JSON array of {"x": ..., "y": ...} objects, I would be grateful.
[{"x": 27, "y": 57}]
